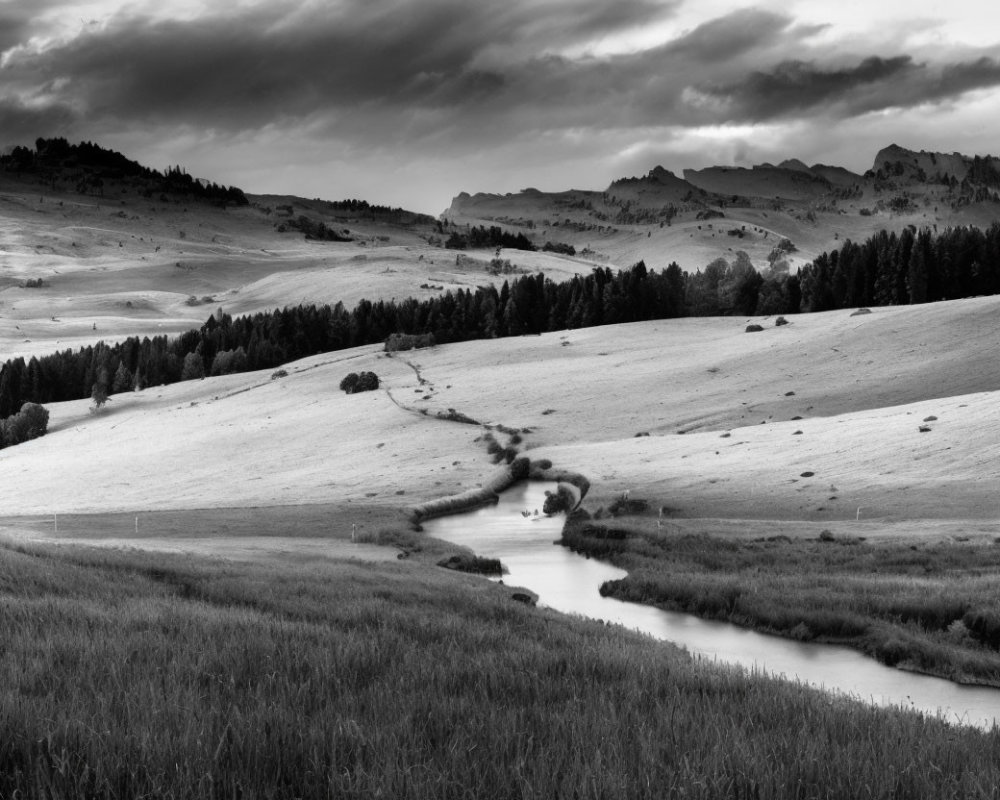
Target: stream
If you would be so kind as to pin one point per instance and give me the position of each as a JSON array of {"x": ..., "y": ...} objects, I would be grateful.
[{"x": 568, "y": 582}]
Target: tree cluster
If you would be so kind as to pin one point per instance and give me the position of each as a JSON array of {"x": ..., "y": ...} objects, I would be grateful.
[
  {"x": 314, "y": 229},
  {"x": 29, "y": 423},
  {"x": 559, "y": 247},
  {"x": 494, "y": 236}
]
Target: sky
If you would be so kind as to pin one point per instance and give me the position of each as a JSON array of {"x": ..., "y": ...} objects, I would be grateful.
[{"x": 409, "y": 102}]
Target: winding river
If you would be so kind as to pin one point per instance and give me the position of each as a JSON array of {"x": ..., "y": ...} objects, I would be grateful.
[{"x": 568, "y": 582}]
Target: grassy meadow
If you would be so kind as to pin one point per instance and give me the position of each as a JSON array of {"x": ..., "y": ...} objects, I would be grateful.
[
  {"x": 127, "y": 674},
  {"x": 925, "y": 605}
]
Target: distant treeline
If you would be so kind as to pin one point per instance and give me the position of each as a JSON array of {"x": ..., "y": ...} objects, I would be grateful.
[
  {"x": 362, "y": 208},
  {"x": 494, "y": 236},
  {"x": 887, "y": 269},
  {"x": 910, "y": 267},
  {"x": 915, "y": 266},
  {"x": 529, "y": 304},
  {"x": 86, "y": 166}
]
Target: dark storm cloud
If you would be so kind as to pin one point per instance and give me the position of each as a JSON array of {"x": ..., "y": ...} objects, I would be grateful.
[
  {"x": 732, "y": 35},
  {"x": 18, "y": 20},
  {"x": 957, "y": 78},
  {"x": 446, "y": 74},
  {"x": 270, "y": 63},
  {"x": 21, "y": 124},
  {"x": 874, "y": 84}
]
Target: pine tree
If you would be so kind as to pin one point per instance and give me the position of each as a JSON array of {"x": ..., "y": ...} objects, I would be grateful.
[
  {"x": 123, "y": 379},
  {"x": 99, "y": 394}
]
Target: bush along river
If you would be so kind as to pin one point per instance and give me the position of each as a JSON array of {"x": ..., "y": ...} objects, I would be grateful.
[{"x": 570, "y": 583}]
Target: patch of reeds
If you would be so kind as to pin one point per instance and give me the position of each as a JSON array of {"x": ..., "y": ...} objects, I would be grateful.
[
  {"x": 896, "y": 603},
  {"x": 127, "y": 674}
]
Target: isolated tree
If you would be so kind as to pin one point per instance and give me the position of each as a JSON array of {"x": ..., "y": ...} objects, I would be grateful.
[{"x": 99, "y": 393}]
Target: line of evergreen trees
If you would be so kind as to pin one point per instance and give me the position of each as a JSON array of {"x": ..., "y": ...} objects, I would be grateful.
[
  {"x": 87, "y": 165},
  {"x": 914, "y": 266},
  {"x": 887, "y": 269},
  {"x": 363, "y": 208},
  {"x": 529, "y": 304},
  {"x": 493, "y": 236}
]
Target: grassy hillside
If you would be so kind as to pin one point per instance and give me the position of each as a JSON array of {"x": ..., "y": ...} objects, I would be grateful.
[
  {"x": 130, "y": 675},
  {"x": 860, "y": 385},
  {"x": 306, "y": 664}
]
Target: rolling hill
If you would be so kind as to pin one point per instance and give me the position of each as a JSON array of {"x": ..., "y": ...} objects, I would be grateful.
[{"x": 661, "y": 218}]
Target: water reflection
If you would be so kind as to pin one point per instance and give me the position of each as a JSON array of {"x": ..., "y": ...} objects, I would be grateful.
[{"x": 569, "y": 583}]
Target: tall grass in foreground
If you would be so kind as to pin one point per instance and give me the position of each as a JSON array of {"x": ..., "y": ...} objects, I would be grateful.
[
  {"x": 128, "y": 675},
  {"x": 933, "y": 607}
]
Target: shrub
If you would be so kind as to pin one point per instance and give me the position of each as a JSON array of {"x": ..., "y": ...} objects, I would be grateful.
[
  {"x": 456, "y": 416},
  {"x": 561, "y": 500},
  {"x": 360, "y": 382},
  {"x": 408, "y": 341},
  {"x": 474, "y": 564},
  {"x": 984, "y": 625},
  {"x": 280, "y": 373}
]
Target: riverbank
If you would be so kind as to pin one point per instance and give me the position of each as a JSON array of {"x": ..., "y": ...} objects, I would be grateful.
[
  {"x": 206, "y": 678},
  {"x": 925, "y": 605}
]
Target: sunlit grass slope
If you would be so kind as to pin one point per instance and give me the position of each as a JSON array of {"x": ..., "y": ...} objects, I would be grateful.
[{"x": 128, "y": 675}]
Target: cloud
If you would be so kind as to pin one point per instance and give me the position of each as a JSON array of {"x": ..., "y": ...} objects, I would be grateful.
[
  {"x": 21, "y": 124},
  {"x": 490, "y": 85},
  {"x": 273, "y": 62},
  {"x": 19, "y": 21},
  {"x": 873, "y": 84},
  {"x": 732, "y": 35}
]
